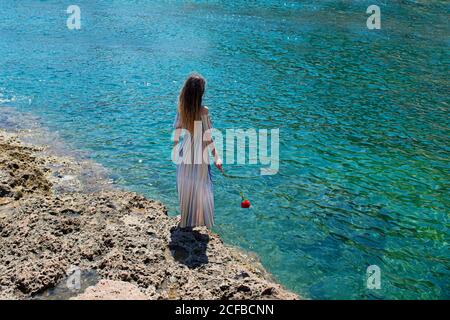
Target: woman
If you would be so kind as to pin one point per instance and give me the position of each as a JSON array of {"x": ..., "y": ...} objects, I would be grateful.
[{"x": 194, "y": 184}]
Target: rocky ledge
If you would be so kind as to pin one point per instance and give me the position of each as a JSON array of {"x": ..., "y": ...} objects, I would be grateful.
[{"x": 59, "y": 242}]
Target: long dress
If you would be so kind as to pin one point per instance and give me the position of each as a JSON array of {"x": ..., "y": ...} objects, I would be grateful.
[{"x": 194, "y": 184}]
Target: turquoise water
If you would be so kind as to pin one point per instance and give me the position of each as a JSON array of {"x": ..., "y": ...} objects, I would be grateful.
[{"x": 363, "y": 118}]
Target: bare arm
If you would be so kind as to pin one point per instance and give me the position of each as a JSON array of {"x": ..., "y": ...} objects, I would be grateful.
[
  {"x": 176, "y": 138},
  {"x": 211, "y": 145}
]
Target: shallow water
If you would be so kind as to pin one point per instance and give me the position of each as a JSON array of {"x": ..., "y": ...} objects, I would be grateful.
[
  {"x": 68, "y": 288},
  {"x": 363, "y": 118}
]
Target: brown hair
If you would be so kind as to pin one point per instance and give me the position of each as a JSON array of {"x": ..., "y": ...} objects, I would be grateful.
[{"x": 190, "y": 100}]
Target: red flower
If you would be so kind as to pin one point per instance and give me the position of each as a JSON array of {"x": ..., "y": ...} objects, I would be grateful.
[{"x": 245, "y": 203}]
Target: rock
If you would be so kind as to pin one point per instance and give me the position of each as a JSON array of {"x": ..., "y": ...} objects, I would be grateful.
[
  {"x": 33, "y": 277},
  {"x": 112, "y": 290}
]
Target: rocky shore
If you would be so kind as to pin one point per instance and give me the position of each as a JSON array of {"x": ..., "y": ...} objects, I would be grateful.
[{"x": 59, "y": 239}]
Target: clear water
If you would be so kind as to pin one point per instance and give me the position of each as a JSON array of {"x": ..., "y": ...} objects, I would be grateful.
[{"x": 364, "y": 176}]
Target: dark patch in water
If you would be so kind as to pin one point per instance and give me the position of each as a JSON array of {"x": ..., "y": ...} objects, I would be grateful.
[{"x": 62, "y": 291}]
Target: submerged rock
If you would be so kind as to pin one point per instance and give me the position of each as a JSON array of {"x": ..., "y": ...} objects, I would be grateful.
[{"x": 132, "y": 244}]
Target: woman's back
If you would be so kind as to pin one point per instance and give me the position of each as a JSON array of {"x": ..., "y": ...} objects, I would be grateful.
[{"x": 194, "y": 183}]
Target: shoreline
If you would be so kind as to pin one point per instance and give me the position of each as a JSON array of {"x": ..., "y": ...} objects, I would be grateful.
[{"x": 57, "y": 217}]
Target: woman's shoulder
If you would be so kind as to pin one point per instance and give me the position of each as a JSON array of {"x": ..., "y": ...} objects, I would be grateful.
[{"x": 204, "y": 110}]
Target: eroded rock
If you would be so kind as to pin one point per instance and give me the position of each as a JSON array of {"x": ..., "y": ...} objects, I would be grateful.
[{"x": 112, "y": 290}]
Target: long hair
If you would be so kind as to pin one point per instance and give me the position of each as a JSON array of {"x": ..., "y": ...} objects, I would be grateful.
[{"x": 190, "y": 101}]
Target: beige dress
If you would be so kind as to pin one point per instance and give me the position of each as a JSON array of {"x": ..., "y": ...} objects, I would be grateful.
[{"x": 194, "y": 184}]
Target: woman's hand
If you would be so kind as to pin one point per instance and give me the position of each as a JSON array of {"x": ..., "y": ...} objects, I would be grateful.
[{"x": 218, "y": 164}]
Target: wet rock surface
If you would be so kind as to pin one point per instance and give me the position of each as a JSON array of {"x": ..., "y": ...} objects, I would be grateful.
[{"x": 132, "y": 245}]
